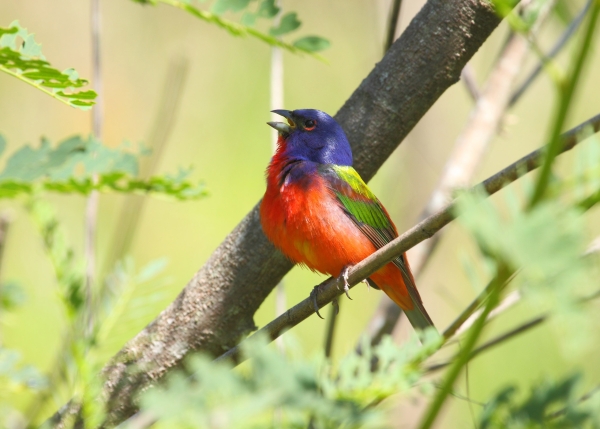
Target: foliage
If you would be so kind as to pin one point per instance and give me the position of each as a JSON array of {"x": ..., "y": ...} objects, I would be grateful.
[
  {"x": 550, "y": 405},
  {"x": 94, "y": 323},
  {"x": 266, "y": 9},
  {"x": 11, "y": 296},
  {"x": 21, "y": 57},
  {"x": 281, "y": 391},
  {"x": 79, "y": 166},
  {"x": 15, "y": 377}
]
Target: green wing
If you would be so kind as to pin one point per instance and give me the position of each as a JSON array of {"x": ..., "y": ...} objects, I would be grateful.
[
  {"x": 359, "y": 203},
  {"x": 365, "y": 210}
]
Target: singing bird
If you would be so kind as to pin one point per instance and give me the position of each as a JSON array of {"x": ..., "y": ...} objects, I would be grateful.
[{"x": 319, "y": 212}]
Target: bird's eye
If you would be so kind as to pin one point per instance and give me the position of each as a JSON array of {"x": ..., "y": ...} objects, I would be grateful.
[{"x": 310, "y": 125}]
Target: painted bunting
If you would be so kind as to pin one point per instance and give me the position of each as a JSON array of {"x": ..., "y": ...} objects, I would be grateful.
[{"x": 319, "y": 212}]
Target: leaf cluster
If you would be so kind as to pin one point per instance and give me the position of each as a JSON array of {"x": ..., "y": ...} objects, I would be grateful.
[
  {"x": 276, "y": 390},
  {"x": 80, "y": 166},
  {"x": 21, "y": 57},
  {"x": 549, "y": 405},
  {"x": 264, "y": 9}
]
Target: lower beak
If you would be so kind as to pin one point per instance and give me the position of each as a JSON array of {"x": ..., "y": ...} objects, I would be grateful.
[{"x": 281, "y": 126}]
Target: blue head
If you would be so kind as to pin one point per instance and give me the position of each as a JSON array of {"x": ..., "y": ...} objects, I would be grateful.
[{"x": 312, "y": 135}]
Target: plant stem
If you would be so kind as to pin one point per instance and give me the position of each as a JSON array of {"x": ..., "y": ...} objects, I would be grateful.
[
  {"x": 394, "y": 18},
  {"x": 566, "y": 91},
  {"x": 464, "y": 355},
  {"x": 91, "y": 209}
]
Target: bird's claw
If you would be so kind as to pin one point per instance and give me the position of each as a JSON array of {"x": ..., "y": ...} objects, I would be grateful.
[
  {"x": 313, "y": 297},
  {"x": 346, "y": 284}
]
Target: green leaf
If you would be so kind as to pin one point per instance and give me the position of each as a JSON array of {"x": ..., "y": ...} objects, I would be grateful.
[
  {"x": 221, "y": 6},
  {"x": 70, "y": 167},
  {"x": 536, "y": 410},
  {"x": 249, "y": 19},
  {"x": 312, "y": 43},
  {"x": 12, "y": 296},
  {"x": 268, "y": 9},
  {"x": 21, "y": 57},
  {"x": 289, "y": 22},
  {"x": 300, "y": 388},
  {"x": 15, "y": 377},
  {"x": 234, "y": 28}
]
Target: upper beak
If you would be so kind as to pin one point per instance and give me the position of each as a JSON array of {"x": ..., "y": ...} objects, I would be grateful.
[{"x": 282, "y": 127}]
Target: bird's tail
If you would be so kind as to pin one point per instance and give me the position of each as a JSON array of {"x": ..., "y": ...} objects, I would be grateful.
[
  {"x": 416, "y": 313},
  {"x": 418, "y": 316}
]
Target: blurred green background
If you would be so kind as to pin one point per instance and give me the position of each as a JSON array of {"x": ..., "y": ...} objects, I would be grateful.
[{"x": 220, "y": 130}]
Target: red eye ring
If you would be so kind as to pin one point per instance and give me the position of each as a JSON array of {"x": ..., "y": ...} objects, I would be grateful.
[{"x": 310, "y": 125}]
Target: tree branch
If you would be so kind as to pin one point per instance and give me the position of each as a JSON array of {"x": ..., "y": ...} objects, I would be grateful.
[{"x": 217, "y": 306}]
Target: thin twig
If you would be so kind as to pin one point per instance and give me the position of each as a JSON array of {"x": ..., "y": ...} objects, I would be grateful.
[
  {"x": 277, "y": 102},
  {"x": 468, "y": 151},
  {"x": 573, "y": 26},
  {"x": 91, "y": 209},
  {"x": 4, "y": 224},
  {"x": 566, "y": 89},
  {"x": 394, "y": 18},
  {"x": 500, "y": 339},
  {"x": 164, "y": 121},
  {"x": 464, "y": 354},
  {"x": 467, "y": 75},
  {"x": 532, "y": 323},
  {"x": 509, "y": 301},
  {"x": 331, "y": 288}
]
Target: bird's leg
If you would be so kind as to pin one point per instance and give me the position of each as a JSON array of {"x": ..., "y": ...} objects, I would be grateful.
[
  {"x": 313, "y": 297},
  {"x": 344, "y": 276}
]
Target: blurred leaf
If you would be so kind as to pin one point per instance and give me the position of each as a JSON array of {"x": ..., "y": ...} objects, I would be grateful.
[
  {"x": 219, "y": 7},
  {"x": 125, "y": 306},
  {"x": 249, "y": 19},
  {"x": 71, "y": 166},
  {"x": 21, "y": 57},
  {"x": 546, "y": 245},
  {"x": 67, "y": 268},
  {"x": 536, "y": 410},
  {"x": 15, "y": 377},
  {"x": 312, "y": 43},
  {"x": 2, "y": 144},
  {"x": 531, "y": 12},
  {"x": 300, "y": 389},
  {"x": 289, "y": 22},
  {"x": 12, "y": 296},
  {"x": 563, "y": 12},
  {"x": 267, "y": 9}
]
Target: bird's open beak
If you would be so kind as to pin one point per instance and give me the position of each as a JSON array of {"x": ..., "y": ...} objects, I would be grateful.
[{"x": 282, "y": 127}]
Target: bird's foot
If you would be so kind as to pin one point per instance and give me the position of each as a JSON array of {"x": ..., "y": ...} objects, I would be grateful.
[
  {"x": 344, "y": 276},
  {"x": 365, "y": 281},
  {"x": 313, "y": 296}
]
